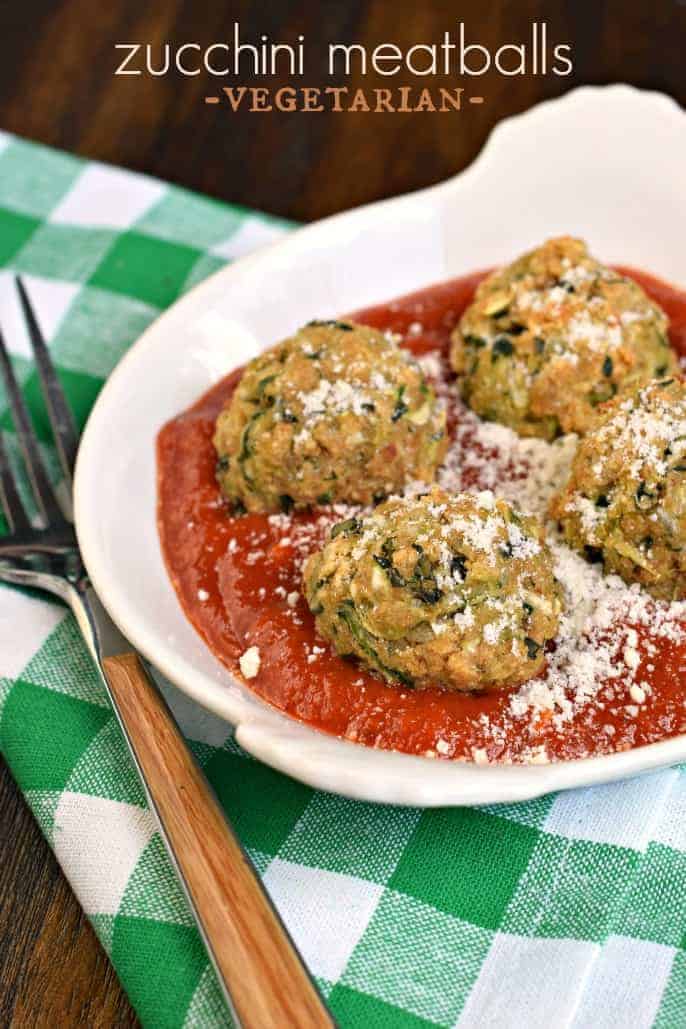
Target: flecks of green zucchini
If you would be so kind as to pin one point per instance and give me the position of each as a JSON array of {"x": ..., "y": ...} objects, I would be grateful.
[
  {"x": 388, "y": 567},
  {"x": 245, "y": 452},
  {"x": 349, "y": 526},
  {"x": 502, "y": 347},
  {"x": 401, "y": 407},
  {"x": 343, "y": 326},
  {"x": 532, "y": 648},
  {"x": 348, "y": 615},
  {"x": 261, "y": 386},
  {"x": 458, "y": 564},
  {"x": 422, "y": 584}
]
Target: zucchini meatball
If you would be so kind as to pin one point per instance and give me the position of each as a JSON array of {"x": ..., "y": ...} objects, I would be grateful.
[
  {"x": 553, "y": 335},
  {"x": 438, "y": 590},
  {"x": 335, "y": 413},
  {"x": 625, "y": 501}
]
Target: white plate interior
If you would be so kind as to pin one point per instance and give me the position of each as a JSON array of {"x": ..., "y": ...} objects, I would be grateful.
[{"x": 605, "y": 163}]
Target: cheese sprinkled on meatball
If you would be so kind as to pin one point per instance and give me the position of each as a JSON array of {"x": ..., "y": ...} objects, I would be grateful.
[
  {"x": 335, "y": 413},
  {"x": 553, "y": 335},
  {"x": 455, "y": 591},
  {"x": 625, "y": 500}
]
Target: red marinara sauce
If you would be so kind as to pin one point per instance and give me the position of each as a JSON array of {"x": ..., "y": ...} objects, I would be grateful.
[{"x": 237, "y": 579}]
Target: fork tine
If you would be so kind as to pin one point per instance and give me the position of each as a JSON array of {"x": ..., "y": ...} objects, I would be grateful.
[
  {"x": 11, "y": 501},
  {"x": 42, "y": 489},
  {"x": 61, "y": 418}
]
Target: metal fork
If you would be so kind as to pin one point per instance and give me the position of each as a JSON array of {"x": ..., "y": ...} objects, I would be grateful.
[{"x": 263, "y": 978}]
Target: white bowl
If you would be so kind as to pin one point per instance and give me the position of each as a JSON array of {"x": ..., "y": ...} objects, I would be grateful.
[{"x": 608, "y": 164}]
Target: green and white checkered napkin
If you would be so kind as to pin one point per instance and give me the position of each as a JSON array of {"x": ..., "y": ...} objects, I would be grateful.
[{"x": 566, "y": 911}]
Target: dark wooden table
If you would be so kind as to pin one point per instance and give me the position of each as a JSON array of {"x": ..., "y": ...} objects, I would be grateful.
[{"x": 57, "y": 86}]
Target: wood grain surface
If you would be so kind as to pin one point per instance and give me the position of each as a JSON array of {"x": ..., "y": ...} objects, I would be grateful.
[
  {"x": 267, "y": 983},
  {"x": 57, "y": 86}
]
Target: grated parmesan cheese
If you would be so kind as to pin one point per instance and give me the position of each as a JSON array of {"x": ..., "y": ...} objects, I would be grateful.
[
  {"x": 250, "y": 662},
  {"x": 609, "y": 630}
]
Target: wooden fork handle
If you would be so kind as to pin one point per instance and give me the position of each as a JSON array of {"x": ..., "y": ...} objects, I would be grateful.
[{"x": 262, "y": 973}]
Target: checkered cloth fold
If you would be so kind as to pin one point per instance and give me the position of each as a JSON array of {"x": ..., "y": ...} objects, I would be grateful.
[{"x": 565, "y": 911}]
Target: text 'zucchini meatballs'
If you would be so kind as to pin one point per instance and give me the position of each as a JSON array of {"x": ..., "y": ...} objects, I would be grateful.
[
  {"x": 335, "y": 413},
  {"x": 438, "y": 590},
  {"x": 553, "y": 335},
  {"x": 625, "y": 501}
]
